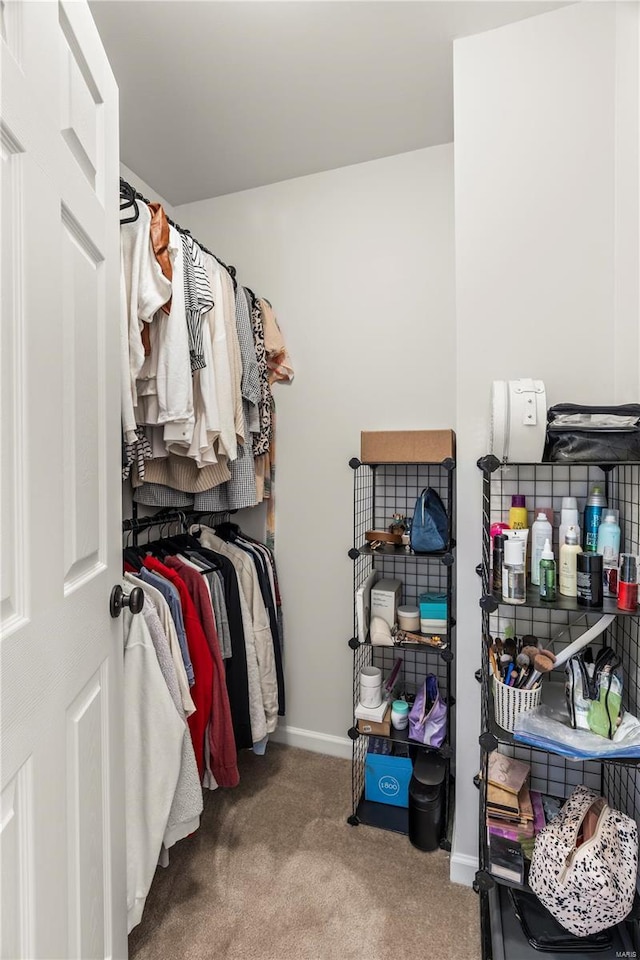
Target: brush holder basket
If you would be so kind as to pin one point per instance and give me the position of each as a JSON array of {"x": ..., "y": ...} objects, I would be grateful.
[{"x": 508, "y": 702}]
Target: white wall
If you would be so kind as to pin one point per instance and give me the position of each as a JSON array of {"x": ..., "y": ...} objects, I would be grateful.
[
  {"x": 546, "y": 168},
  {"x": 147, "y": 191},
  {"x": 358, "y": 263}
]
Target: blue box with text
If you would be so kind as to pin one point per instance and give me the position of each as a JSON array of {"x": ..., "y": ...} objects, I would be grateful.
[{"x": 386, "y": 779}]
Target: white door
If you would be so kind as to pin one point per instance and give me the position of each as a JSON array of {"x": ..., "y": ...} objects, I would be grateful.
[{"x": 62, "y": 823}]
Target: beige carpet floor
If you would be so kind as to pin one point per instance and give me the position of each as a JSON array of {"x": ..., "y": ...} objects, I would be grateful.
[{"x": 276, "y": 873}]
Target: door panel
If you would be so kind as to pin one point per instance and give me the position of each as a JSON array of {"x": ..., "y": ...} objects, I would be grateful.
[
  {"x": 12, "y": 395},
  {"x": 88, "y": 775},
  {"x": 16, "y": 836},
  {"x": 84, "y": 514},
  {"x": 62, "y": 787}
]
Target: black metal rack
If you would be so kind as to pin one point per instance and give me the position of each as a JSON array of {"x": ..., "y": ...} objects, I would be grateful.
[
  {"x": 380, "y": 490},
  {"x": 617, "y": 779}
]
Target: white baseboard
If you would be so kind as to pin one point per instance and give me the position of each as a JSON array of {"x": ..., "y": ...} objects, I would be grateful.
[
  {"x": 312, "y": 740},
  {"x": 463, "y": 869}
]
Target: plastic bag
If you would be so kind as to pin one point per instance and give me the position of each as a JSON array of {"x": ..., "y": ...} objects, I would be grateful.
[{"x": 549, "y": 729}]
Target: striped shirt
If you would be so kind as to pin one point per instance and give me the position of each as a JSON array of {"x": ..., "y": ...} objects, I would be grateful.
[{"x": 198, "y": 299}]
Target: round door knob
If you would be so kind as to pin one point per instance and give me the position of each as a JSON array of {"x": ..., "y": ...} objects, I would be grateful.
[{"x": 119, "y": 599}]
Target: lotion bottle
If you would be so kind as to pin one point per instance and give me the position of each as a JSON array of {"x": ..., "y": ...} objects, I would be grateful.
[{"x": 568, "y": 564}]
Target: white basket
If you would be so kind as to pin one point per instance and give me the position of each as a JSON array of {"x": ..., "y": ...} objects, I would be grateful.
[{"x": 508, "y": 702}]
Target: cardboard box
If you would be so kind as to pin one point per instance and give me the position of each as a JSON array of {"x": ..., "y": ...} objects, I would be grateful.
[
  {"x": 386, "y": 779},
  {"x": 385, "y": 599},
  {"x": 407, "y": 446},
  {"x": 380, "y": 729}
]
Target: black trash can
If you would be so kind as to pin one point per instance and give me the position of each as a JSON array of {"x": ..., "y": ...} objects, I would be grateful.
[{"x": 426, "y": 801}]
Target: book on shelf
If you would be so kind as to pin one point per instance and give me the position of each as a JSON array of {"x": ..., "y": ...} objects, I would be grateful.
[{"x": 507, "y": 773}]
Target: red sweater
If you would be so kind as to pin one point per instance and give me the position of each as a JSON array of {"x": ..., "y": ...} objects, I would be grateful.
[
  {"x": 224, "y": 757},
  {"x": 201, "y": 691}
]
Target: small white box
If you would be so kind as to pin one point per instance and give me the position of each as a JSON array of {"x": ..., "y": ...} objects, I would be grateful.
[{"x": 385, "y": 599}]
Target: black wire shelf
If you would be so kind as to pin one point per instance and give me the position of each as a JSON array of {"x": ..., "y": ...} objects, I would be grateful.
[
  {"x": 494, "y": 735},
  {"x": 567, "y": 604},
  {"x": 401, "y": 552},
  {"x": 384, "y": 816}
]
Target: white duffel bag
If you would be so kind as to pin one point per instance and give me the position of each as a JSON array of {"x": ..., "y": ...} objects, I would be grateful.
[
  {"x": 518, "y": 420},
  {"x": 589, "y": 887}
]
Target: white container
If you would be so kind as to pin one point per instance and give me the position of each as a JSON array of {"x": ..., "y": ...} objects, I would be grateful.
[
  {"x": 409, "y": 618},
  {"x": 514, "y": 588},
  {"x": 370, "y": 687},
  {"x": 541, "y": 531},
  {"x": 569, "y": 517},
  {"x": 508, "y": 702},
  {"x": 399, "y": 715}
]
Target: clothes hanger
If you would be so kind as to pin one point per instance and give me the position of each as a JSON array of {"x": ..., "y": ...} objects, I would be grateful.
[{"x": 128, "y": 201}]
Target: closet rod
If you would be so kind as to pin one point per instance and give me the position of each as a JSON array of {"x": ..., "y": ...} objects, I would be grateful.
[
  {"x": 185, "y": 517},
  {"x": 231, "y": 270}
]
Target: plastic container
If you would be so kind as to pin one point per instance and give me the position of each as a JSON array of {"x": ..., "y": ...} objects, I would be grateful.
[
  {"x": 548, "y": 574},
  {"x": 426, "y": 801},
  {"x": 628, "y": 583},
  {"x": 518, "y": 513},
  {"x": 589, "y": 579},
  {"x": 370, "y": 687},
  {"x": 508, "y": 702},
  {"x": 513, "y": 576},
  {"x": 409, "y": 618},
  {"x": 541, "y": 531},
  {"x": 568, "y": 564},
  {"x": 399, "y": 715}
]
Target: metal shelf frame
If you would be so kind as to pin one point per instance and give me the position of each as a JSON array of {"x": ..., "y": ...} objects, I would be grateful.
[
  {"x": 379, "y": 490},
  {"x": 616, "y": 778}
]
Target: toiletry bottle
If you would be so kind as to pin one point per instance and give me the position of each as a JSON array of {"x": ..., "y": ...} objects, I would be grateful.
[
  {"x": 628, "y": 583},
  {"x": 568, "y": 567},
  {"x": 498, "y": 560},
  {"x": 541, "y": 531},
  {"x": 592, "y": 517},
  {"x": 513, "y": 577},
  {"x": 518, "y": 513},
  {"x": 609, "y": 547},
  {"x": 589, "y": 579},
  {"x": 569, "y": 517},
  {"x": 548, "y": 574}
]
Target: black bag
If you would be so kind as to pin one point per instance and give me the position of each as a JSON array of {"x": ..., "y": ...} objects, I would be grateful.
[{"x": 579, "y": 434}]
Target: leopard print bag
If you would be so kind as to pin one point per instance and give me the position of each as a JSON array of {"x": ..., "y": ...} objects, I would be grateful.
[{"x": 590, "y": 887}]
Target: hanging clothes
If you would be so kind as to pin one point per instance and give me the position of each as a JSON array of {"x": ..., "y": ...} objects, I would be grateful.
[{"x": 153, "y": 760}]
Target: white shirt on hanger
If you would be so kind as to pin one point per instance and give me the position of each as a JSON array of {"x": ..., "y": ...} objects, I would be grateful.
[{"x": 143, "y": 290}]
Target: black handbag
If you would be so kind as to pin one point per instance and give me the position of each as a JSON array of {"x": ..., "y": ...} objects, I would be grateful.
[{"x": 580, "y": 434}]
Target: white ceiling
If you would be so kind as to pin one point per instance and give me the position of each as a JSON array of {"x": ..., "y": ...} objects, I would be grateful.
[{"x": 222, "y": 96}]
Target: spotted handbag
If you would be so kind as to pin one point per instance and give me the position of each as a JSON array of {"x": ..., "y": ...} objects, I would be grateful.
[{"x": 587, "y": 886}]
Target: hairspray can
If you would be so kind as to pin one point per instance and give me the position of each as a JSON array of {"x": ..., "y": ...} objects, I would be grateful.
[
  {"x": 589, "y": 579},
  {"x": 498, "y": 560},
  {"x": 628, "y": 583},
  {"x": 592, "y": 517}
]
